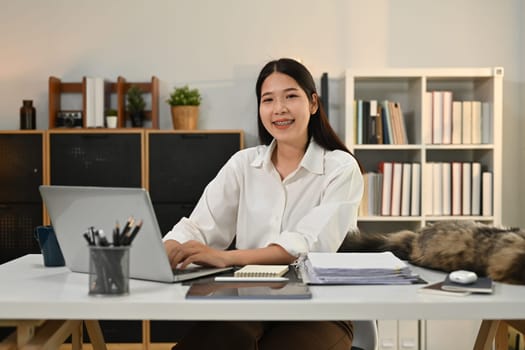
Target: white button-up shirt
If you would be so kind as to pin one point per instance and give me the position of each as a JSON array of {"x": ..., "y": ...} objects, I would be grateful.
[{"x": 312, "y": 209}]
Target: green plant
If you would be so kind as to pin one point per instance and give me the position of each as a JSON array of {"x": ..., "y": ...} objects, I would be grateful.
[
  {"x": 135, "y": 99},
  {"x": 184, "y": 96},
  {"x": 111, "y": 112}
]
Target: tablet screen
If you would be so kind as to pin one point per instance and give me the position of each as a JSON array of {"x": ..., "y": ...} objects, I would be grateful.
[{"x": 249, "y": 290}]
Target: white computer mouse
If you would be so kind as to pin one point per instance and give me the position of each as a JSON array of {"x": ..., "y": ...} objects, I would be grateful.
[{"x": 463, "y": 276}]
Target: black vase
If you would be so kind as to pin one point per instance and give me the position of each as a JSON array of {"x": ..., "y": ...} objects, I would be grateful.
[
  {"x": 27, "y": 115},
  {"x": 137, "y": 119}
]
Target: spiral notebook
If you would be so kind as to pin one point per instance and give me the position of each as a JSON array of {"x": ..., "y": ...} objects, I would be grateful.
[{"x": 262, "y": 271}]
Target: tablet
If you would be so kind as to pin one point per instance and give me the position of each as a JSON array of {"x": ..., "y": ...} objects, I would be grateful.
[{"x": 248, "y": 290}]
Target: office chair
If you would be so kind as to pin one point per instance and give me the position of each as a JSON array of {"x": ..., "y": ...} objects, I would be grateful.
[{"x": 365, "y": 335}]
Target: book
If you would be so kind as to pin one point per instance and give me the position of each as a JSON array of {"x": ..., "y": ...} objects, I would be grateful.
[
  {"x": 405, "y": 189},
  {"x": 415, "y": 191},
  {"x": 486, "y": 123},
  {"x": 466, "y": 126},
  {"x": 427, "y": 118},
  {"x": 397, "y": 183},
  {"x": 486, "y": 195},
  {"x": 476, "y": 122},
  {"x": 388, "y": 133},
  {"x": 372, "y": 123},
  {"x": 456, "y": 188},
  {"x": 457, "y": 116},
  {"x": 466, "y": 188},
  {"x": 446, "y": 188},
  {"x": 481, "y": 285},
  {"x": 359, "y": 118},
  {"x": 437, "y": 117},
  {"x": 475, "y": 208},
  {"x": 437, "y": 188},
  {"x": 386, "y": 168},
  {"x": 447, "y": 117},
  {"x": 261, "y": 271},
  {"x": 436, "y": 288}
]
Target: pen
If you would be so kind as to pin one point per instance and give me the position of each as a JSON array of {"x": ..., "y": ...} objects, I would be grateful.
[
  {"x": 88, "y": 239},
  {"x": 116, "y": 235},
  {"x": 102, "y": 240}
]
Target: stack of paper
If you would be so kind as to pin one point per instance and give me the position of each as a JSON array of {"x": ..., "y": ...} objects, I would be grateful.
[{"x": 355, "y": 268}]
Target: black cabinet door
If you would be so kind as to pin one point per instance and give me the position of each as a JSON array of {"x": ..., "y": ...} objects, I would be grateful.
[
  {"x": 21, "y": 173},
  {"x": 96, "y": 159},
  {"x": 21, "y": 167},
  {"x": 181, "y": 165}
]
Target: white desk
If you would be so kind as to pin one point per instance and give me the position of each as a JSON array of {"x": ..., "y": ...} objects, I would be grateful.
[{"x": 31, "y": 291}]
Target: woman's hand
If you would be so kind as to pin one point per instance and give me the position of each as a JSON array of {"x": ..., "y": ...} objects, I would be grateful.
[{"x": 181, "y": 255}]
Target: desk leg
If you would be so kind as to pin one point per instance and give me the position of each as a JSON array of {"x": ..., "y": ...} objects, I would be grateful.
[
  {"x": 76, "y": 337},
  {"x": 52, "y": 334},
  {"x": 501, "y": 340},
  {"x": 486, "y": 334},
  {"x": 95, "y": 335},
  {"x": 519, "y": 325}
]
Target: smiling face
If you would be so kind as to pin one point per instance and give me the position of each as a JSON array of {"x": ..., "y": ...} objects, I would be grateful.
[{"x": 285, "y": 109}]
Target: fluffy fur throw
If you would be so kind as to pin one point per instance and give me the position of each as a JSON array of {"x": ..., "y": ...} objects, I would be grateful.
[{"x": 453, "y": 245}]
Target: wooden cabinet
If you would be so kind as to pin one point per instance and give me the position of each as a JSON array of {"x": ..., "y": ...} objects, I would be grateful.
[
  {"x": 174, "y": 165},
  {"x": 58, "y": 88},
  {"x": 22, "y": 170}
]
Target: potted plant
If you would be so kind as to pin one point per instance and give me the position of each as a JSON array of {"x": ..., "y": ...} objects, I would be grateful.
[
  {"x": 184, "y": 104},
  {"x": 135, "y": 105},
  {"x": 111, "y": 118}
]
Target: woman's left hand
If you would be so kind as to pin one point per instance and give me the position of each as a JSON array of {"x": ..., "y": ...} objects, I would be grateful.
[{"x": 201, "y": 254}]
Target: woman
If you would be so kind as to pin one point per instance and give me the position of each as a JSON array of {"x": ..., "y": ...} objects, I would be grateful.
[{"x": 297, "y": 192}]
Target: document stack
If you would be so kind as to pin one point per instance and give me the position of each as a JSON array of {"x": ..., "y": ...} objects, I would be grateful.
[{"x": 355, "y": 268}]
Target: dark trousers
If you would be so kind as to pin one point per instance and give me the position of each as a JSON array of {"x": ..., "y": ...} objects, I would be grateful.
[{"x": 258, "y": 335}]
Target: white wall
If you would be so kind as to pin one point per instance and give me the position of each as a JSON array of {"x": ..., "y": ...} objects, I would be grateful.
[{"x": 220, "y": 45}]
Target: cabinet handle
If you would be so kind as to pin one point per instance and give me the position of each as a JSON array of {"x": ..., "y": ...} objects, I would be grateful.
[
  {"x": 96, "y": 136},
  {"x": 194, "y": 136}
]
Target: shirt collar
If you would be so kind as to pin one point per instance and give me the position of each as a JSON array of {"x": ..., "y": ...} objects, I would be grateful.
[{"x": 313, "y": 159}]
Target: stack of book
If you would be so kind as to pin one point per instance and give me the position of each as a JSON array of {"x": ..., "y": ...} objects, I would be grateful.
[
  {"x": 355, "y": 268},
  {"x": 379, "y": 122}
]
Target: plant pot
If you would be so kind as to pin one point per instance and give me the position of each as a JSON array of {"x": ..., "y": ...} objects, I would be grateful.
[
  {"x": 111, "y": 121},
  {"x": 137, "y": 119},
  {"x": 185, "y": 117}
]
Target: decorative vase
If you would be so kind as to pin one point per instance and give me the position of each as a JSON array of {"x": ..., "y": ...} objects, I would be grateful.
[
  {"x": 27, "y": 115},
  {"x": 185, "y": 117}
]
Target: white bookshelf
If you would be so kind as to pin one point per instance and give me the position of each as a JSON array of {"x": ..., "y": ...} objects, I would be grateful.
[{"x": 408, "y": 87}]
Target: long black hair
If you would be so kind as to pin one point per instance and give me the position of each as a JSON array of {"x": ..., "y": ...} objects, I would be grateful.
[{"x": 318, "y": 127}]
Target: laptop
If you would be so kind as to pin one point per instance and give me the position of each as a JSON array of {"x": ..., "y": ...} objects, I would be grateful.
[{"x": 73, "y": 209}]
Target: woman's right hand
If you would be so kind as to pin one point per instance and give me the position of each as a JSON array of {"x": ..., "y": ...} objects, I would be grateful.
[
  {"x": 174, "y": 251},
  {"x": 181, "y": 255}
]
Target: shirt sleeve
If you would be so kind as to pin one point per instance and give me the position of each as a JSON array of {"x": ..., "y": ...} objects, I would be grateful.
[
  {"x": 324, "y": 227},
  {"x": 213, "y": 220}
]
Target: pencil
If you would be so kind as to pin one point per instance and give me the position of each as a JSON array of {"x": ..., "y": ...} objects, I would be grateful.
[{"x": 136, "y": 230}]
